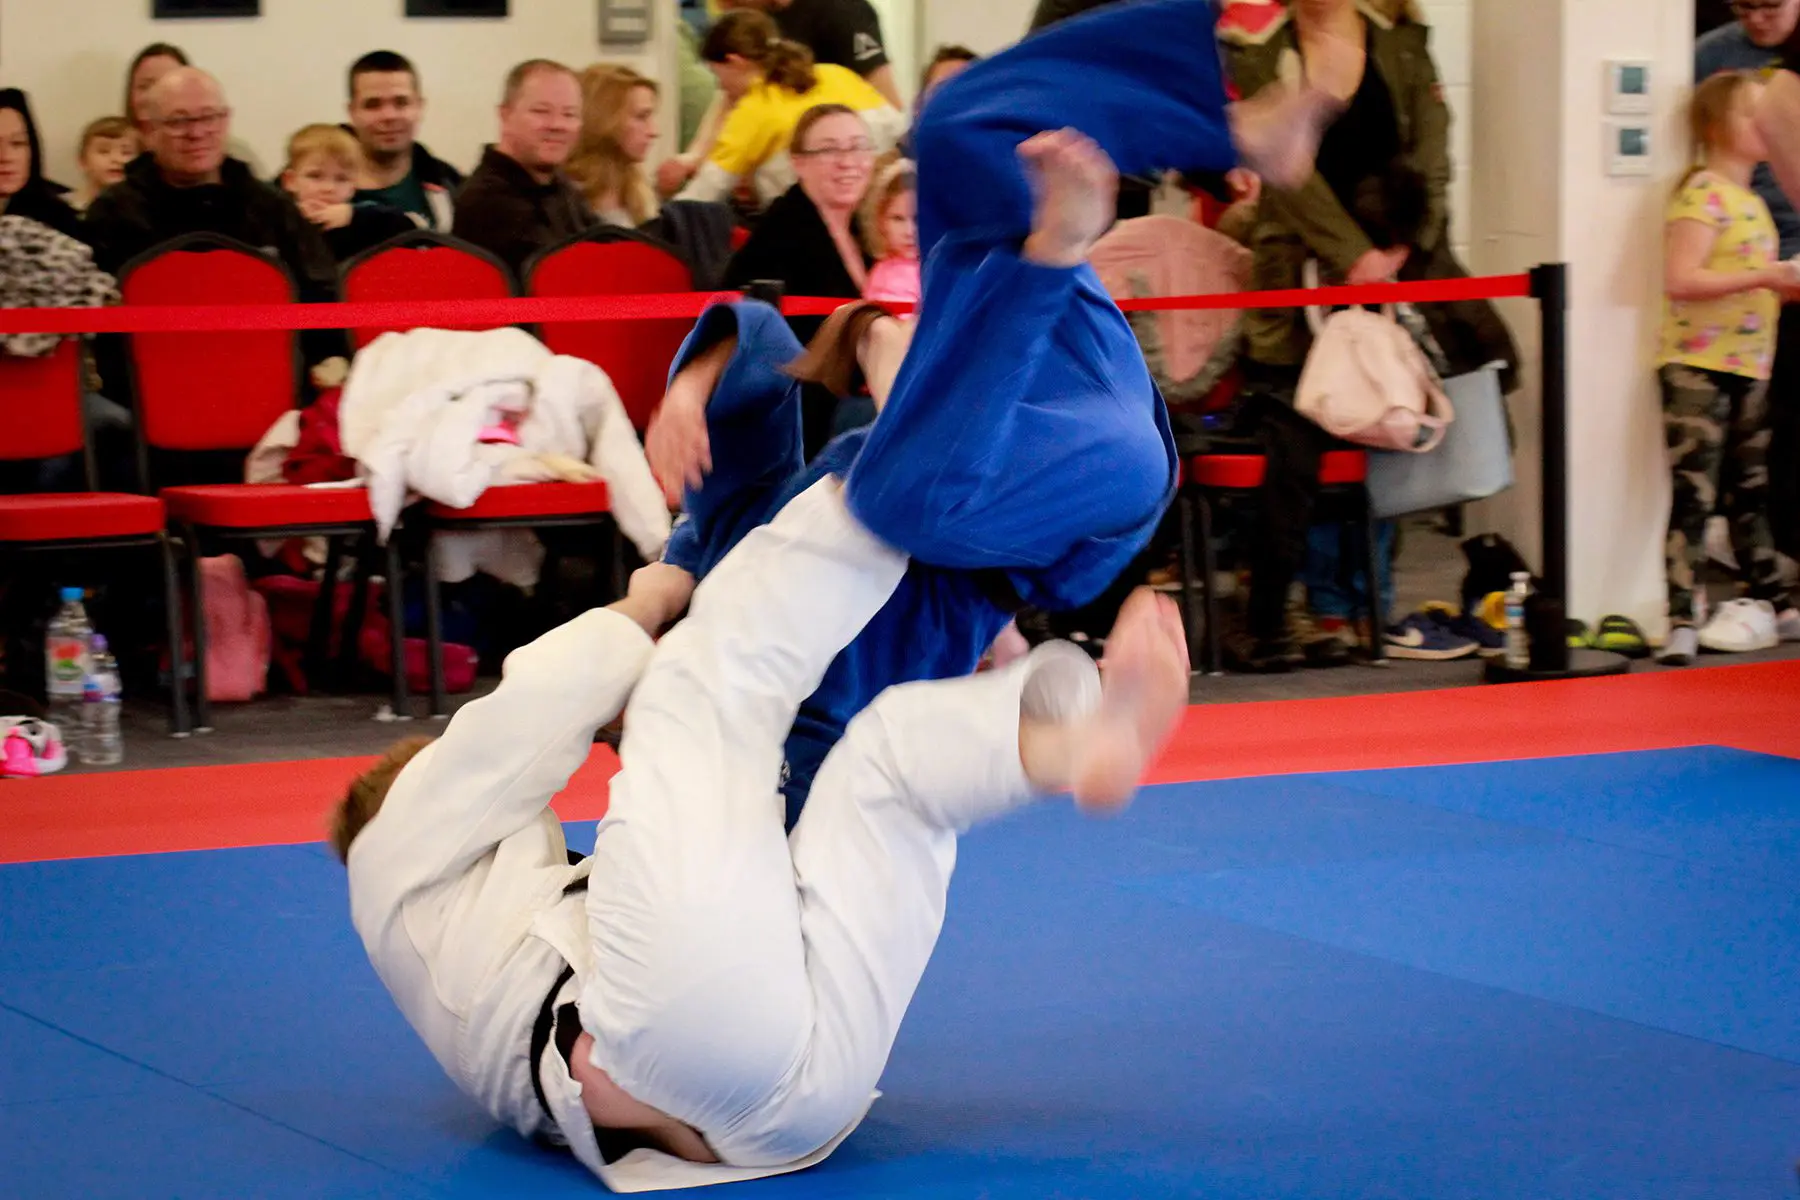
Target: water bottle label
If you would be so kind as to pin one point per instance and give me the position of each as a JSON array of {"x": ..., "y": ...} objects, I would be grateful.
[{"x": 67, "y": 657}]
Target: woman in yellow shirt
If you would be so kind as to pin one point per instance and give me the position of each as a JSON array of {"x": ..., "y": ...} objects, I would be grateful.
[
  {"x": 1725, "y": 286},
  {"x": 771, "y": 83}
]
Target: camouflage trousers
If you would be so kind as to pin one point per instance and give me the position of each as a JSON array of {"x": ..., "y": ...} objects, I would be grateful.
[{"x": 1717, "y": 427}]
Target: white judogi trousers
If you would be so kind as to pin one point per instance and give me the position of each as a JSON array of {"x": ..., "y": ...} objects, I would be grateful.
[{"x": 747, "y": 986}]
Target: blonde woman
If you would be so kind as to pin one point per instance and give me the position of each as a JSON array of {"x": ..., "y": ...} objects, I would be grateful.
[{"x": 618, "y": 130}]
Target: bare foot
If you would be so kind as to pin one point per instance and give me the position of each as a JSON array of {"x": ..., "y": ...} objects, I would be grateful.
[
  {"x": 1077, "y": 190},
  {"x": 1143, "y": 691},
  {"x": 1277, "y": 131}
]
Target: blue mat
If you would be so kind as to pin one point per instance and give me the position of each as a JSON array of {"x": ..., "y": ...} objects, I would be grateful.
[{"x": 1570, "y": 978}]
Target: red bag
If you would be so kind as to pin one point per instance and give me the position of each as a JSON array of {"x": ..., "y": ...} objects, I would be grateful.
[{"x": 291, "y": 603}]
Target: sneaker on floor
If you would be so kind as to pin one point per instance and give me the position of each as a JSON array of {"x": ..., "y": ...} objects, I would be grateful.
[
  {"x": 1787, "y": 625},
  {"x": 1423, "y": 639},
  {"x": 1741, "y": 626},
  {"x": 1259, "y": 657},
  {"x": 1489, "y": 642},
  {"x": 1681, "y": 648}
]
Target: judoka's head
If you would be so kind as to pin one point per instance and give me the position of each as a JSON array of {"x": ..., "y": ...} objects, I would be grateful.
[{"x": 367, "y": 792}]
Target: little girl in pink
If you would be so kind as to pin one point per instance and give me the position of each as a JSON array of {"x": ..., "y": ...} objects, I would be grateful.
[{"x": 891, "y": 230}]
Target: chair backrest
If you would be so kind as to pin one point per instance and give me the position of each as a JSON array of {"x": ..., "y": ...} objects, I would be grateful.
[
  {"x": 634, "y": 354},
  {"x": 210, "y": 391},
  {"x": 423, "y": 265},
  {"x": 43, "y": 404}
]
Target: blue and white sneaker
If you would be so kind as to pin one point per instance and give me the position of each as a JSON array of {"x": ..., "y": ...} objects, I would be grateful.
[
  {"x": 1423, "y": 638},
  {"x": 1490, "y": 642}
]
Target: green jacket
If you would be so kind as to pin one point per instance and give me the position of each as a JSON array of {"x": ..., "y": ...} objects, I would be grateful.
[{"x": 1311, "y": 223}]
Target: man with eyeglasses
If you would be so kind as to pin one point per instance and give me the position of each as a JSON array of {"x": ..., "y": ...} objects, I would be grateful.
[
  {"x": 1756, "y": 42},
  {"x": 188, "y": 184}
]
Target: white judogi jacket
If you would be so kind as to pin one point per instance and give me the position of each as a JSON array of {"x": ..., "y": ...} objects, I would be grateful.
[{"x": 457, "y": 888}]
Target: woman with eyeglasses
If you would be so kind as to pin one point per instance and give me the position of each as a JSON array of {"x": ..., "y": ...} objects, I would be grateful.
[
  {"x": 810, "y": 239},
  {"x": 771, "y": 84}
]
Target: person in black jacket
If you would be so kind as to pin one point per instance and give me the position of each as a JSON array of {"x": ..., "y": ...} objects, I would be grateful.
[
  {"x": 24, "y": 191},
  {"x": 186, "y": 184},
  {"x": 386, "y": 107},
  {"x": 810, "y": 240},
  {"x": 519, "y": 200}
]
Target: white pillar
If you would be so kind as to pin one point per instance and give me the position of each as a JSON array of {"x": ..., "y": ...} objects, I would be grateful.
[{"x": 1541, "y": 192}]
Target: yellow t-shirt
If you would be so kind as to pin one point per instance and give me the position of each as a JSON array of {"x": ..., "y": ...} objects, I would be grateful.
[
  {"x": 1733, "y": 334},
  {"x": 762, "y": 124}
]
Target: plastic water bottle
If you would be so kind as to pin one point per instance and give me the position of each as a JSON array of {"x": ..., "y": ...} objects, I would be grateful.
[
  {"x": 66, "y": 646},
  {"x": 101, "y": 744},
  {"x": 1518, "y": 643}
]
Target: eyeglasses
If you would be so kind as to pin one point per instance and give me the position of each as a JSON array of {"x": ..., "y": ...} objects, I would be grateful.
[
  {"x": 853, "y": 150},
  {"x": 1751, "y": 8},
  {"x": 199, "y": 123}
]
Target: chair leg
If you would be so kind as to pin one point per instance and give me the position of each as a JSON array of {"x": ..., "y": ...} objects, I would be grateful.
[
  {"x": 179, "y": 723},
  {"x": 1372, "y": 560},
  {"x": 434, "y": 631},
  {"x": 1209, "y": 568},
  {"x": 1184, "y": 507},
  {"x": 197, "y": 589},
  {"x": 620, "y": 579},
  {"x": 396, "y": 585},
  {"x": 324, "y": 613},
  {"x": 349, "y": 648}
]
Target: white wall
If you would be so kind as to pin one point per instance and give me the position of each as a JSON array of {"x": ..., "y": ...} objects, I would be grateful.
[
  {"x": 1541, "y": 193},
  {"x": 984, "y": 26},
  {"x": 286, "y": 68}
]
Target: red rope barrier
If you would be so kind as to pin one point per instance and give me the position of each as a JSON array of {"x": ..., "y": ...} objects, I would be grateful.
[{"x": 687, "y": 306}]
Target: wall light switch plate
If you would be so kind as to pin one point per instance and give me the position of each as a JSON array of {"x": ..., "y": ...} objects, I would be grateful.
[
  {"x": 625, "y": 22},
  {"x": 1628, "y": 148},
  {"x": 1628, "y": 88}
]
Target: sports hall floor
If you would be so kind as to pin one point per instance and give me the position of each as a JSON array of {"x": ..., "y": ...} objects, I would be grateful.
[{"x": 1410, "y": 940}]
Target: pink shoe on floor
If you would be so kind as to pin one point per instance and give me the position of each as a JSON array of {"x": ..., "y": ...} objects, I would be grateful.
[{"x": 29, "y": 748}]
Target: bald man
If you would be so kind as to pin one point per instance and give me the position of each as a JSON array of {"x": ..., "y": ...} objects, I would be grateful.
[{"x": 187, "y": 183}]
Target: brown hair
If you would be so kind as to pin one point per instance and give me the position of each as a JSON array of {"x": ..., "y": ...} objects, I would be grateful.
[
  {"x": 598, "y": 165},
  {"x": 105, "y": 127},
  {"x": 1709, "y": 110},
  {"x": 753, "y": 37},
  {"x": 516, "y": 78},
  {"x": 153, "y": 50},
  {"x": 813, "y": 116},
  {"x": 951, "y": 53},
  {"x": 367, "y": 791},
  {"x": 325, "y": 141},
  {"x": 894, "y": 177}
]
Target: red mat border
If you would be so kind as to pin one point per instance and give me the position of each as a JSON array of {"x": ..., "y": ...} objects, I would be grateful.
[{"x": 1751, "y": 707}]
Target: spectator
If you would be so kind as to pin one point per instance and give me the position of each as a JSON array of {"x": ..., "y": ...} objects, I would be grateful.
[
  {"x": 891, "y": 232},
  {"x": 772, "y": 83},
  {"x": 519, "y": 201},
  {"x": 618, "y": 128},
  {"x": 810, "y": 240},
  {"x": 1724, "y": 281},
  {"x": 107, "y": 147},
  {"x": 147, "y": 70},
  {"x": 1754, "y": 42},
  {"x": 386, "y": 108},
  {"x": 1396, "y": 124},
  {"x": 188, "y": 184},
  {"x": 947, "y": 62},
  {"x": 323, "y": 163},
  {"x": 24, "y": 192},
  {"x": 844, "y": 33}
]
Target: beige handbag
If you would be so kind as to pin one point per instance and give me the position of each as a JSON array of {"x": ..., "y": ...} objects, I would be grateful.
[{"x": 1367, "y": 381}]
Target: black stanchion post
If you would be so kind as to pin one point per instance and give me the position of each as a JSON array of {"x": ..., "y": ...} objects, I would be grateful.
[{"x": 1550, "y": 287}]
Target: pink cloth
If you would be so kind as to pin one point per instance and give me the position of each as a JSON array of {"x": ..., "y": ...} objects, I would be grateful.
[
  {"x": 894, "y": 280},
  {"x": 1169, "y": 256}
]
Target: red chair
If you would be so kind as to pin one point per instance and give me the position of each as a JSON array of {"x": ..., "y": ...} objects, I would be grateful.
[
  {"x": 518, "y": 506},
  {"x": 423, "y": 265},
  {"x": 49, "y": 389},
  {"x": 1208, "y": 480},
  {"x": 635, "y": 355},
  {"x": 200, "y": 392}
]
